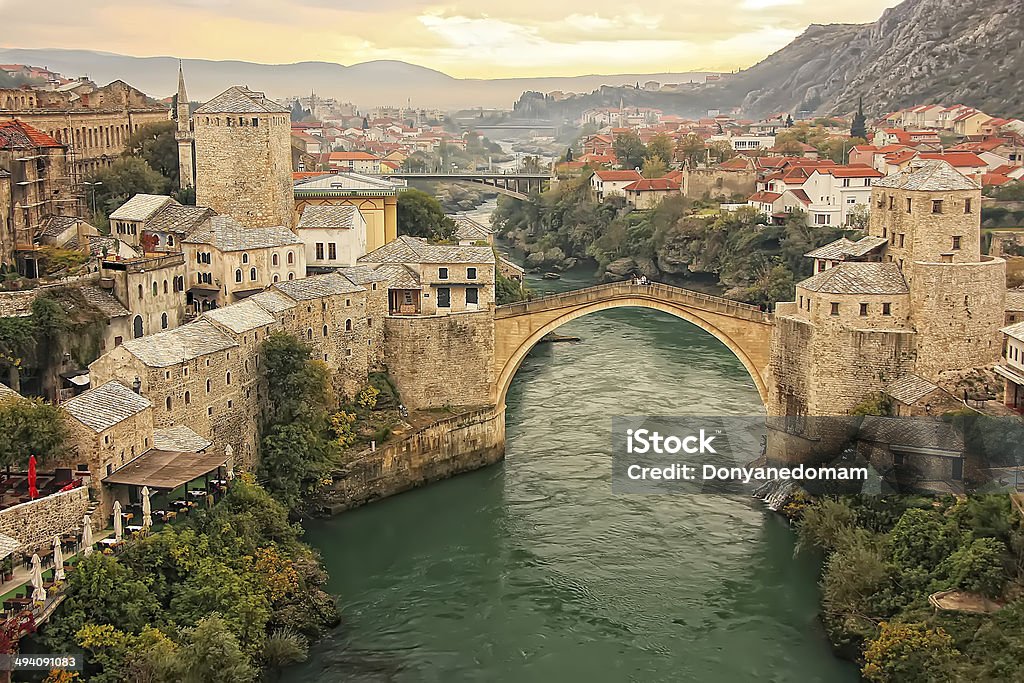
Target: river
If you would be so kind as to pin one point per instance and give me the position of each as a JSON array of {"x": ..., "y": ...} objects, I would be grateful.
[{"x": 532, "y": 570}]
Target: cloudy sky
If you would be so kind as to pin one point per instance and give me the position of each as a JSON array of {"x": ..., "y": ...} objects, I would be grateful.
[{"x": 460, "y": 37}]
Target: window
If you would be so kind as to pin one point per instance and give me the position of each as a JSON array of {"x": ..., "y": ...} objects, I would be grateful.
[
  {"x": 252, "y": 274},
  {"x": 936, "y": 206},
  {"x": 910, "y": 203},
  {"x": 291, "y": 276},
  {"x": 892, "y": 203},
  {"x": 835, "y": 308},
  {"x": 348, "y": 325},
  {"x": 846, "y": 182},
  {"x": 897, "y": 458},
  {"x": 348, "y": 302},
  {"x": 291, "y": 258},
  {"x": 227, "y": 378},
  {"x": 188, "y": 398},
  {"x": 238, "y": 275},
  {"x": 821, "y": 219},
  {"x": 902, "y": 238},
  {"x": 886, "y": 308},
  {"x": 956, "y": 241},
  {"x": 156, "y": 288},
  {"x": 967, "y": 205},
  {"x": 332, "y": 251},
  {"x": 325, "y": 330},
  {"x": 309, "y": 334},
  {"x": 863, "y": 309},
  {"x": 274, "y": 259},
  {"x": 319, "y": 251},
  {"x": 165, "y": 286},
  {"x": 209, "y": 412},
  {"x": 442, "y": 273},
  {"x": 163, "y": 321},
  {"x": 444, "y": 297},
  {"x": 209, "y": 385},
  {"x": 245, "y": 258},
  {"x": 168, "y": 403},
  {"x": 472, "y": 295},
  {"x": 470, "y": 273}
]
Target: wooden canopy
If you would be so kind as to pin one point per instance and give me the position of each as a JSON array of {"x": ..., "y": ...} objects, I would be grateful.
[{"x": 165, "y": 469}]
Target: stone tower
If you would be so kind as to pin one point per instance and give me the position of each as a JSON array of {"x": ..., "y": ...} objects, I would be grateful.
[
  {"x": 243, "y": 158},
  {"x": 183, "y": 134}
]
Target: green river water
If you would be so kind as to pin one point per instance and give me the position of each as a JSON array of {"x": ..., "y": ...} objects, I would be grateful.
[{"x": 532, "y": 570}]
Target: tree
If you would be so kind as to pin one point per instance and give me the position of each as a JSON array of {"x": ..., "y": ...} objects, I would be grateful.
[
  {"x": 122, "y": 180},
  {"x": 155, "y": 144},
  {"x": 30, "y": 426},
  {"x": 910, "y": 652},
  {"x": 630, "y": 150},
  {"x": 921, "y": 539},
  {"x": 661, "y": 147},
  {"x": 421, "y": 215},
  {"x": 654, "y": 167},
  {"x": 859, "y": 129},
  {"x": 212, "y": 655},
  {"x": 691, "y": 149},
  {"x": 979, "y": 567},
  {"x": 508, "y": 291}
]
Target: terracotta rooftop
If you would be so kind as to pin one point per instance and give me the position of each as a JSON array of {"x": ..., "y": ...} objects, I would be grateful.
[{"x": 17, "y": 134}]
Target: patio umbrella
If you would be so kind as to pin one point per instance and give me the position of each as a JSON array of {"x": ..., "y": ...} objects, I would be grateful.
[
  {"x": 118, "y": 531},
  {"x": 38, "y": 592},
  {"x": 86, "y": 536},
  {"x": 33, "y": 490},
  {"x": 147, "y": 509},
  {"x": 58, "y": 560}
]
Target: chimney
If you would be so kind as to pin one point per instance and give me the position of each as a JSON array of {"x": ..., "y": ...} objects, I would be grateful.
[{"x": 83, "y": 236}]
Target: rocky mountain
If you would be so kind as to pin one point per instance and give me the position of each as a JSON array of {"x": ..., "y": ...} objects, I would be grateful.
[
  {"x": 966, "y": 51},
  {"x": 367, "y": 84}
]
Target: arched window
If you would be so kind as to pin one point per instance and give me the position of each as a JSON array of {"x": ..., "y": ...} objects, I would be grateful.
[
  {"x": 137, "y": 326},
  {"x": 291, "y": 276},
  {"x": 227, "y": 378},
  {"x": 170, "y": 240},
  {"x": 163, "y": 321},
  {"x": 325, "y": 330},
  {"x": 140, "y": 291},
  {"x": 245, "y": 258},
  {"x": 168, "y": 403},
  {"x": 275, "y": 278},
  {"x": 208, "y": 385},
  {"x": 348, "y": 325},
  {"x": 291, "y": 258},
  {"x": 165, "y": 286},
  {"x": 238, "y": 275},
  {"x": 309, "y": 334},
  {"x": 188, "y": 398},
  {"x": 274, "y": 259},
  {"x": 252, "y": 274},
  {"x": 156, "y": 288}
]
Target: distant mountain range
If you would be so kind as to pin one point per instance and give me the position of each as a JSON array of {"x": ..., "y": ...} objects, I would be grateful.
[{"x": 366, "y": 85}]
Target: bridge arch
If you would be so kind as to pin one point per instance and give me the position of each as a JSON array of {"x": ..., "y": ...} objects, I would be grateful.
[{"x": 743, "y": 329}]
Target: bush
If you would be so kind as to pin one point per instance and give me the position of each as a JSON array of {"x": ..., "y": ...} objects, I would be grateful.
[
  {"x": 979, "y": 567},
  {"x": 910, "y": 652}
]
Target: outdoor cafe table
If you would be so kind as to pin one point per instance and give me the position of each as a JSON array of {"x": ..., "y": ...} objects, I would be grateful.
[
  {"x": 109, "y": 541},
  {"x": 133, "y": 528},
  {"x": 198, "y": 494},
  {"x": 15, "y": 604}
]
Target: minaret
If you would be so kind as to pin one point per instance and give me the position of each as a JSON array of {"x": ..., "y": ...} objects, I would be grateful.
[{"x": 183, "y": 134}]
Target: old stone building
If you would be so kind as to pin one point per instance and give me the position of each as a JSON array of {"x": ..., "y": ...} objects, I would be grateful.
[
  {"x": 243, "y": 158},
  {"x": 94, "y": 123},
  {"x": 926, "y": 302},
  {"x": 35, "y": 183},
  {"x": 151, "y": 287},
  {"x": 183, "y": 135}
]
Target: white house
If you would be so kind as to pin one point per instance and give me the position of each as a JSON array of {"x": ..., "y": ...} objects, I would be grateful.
[
  {"x": 333, "y": 236},
  {"x": 612, "y": 183}
]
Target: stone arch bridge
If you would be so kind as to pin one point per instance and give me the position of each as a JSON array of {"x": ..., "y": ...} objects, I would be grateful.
[{"x": 743, "y": 328}]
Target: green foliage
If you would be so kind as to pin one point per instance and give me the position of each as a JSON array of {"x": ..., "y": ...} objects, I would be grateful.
[
  {"x": 630, "y": 150},
  {"x": 122, "y": 180},
  {"x": 30, "y": 427},
  {"x": 155, "y": 144},
  {"x": 661, "y": 147},
  {"x": 978, "y": 567},
  {"x": 55, "y": 260},
  {"x": 876, "y": 404},
  {"x": 910, "y": 652},
  {"x": 824, "y": 523},
  {"x": 508, "y": 291},
  {"x": 205, "y": 600},
  {"x": 298, "y": 448},
  {"x": 421, "y": 215},
  {"x": 921, "y": 539}
]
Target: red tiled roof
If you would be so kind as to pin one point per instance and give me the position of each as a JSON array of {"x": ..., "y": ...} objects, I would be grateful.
[
  {"x": 960, "y": 159},
  {"x": 994, "y": 179},
  {"x": 1005, "y": 169},
  {"x": 800, "y": 195},
  {"x": 618, "y": 176},
  {"x": 652, "y": 185},
  {"x": 764, "y": 197},
  {"x": 675, "y": 176},
  {"x": 852, "y": 171},
  {"x": 353, "y": 156},
  {"x": 900, "y": 157},
  {"x": 19, "y": 135},
  {"x": 735, "y": 164}
]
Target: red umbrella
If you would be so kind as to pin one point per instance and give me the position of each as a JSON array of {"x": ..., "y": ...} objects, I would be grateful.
[{"x": 33, "y": 491}]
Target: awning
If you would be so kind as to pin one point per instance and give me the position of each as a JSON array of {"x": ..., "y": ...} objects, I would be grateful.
[
  {"x": 204, "y": 289},
  {"x": 165, "y": 469}
]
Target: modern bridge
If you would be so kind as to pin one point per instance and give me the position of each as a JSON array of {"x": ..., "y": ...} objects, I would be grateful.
[
  {"x": 518, "y": 185},
  {"x": 743, "y": 328}
]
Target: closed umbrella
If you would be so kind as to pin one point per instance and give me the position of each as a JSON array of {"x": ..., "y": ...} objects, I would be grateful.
[
  {"x": 86, "y": 536},
  {"x": 58, "y": 560},
  {"x": 118, "y": 531},
  {"x": 38, "y": 592},
  {"x": 147, "y": 509},
  {"x": 33, "y": 490}
]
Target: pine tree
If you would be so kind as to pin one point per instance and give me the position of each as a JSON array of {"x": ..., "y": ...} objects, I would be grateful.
[{"x": 859, "y": 129}]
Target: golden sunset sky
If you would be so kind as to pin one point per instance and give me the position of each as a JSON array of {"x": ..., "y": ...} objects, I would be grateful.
[{"x": 461, "y": 37}]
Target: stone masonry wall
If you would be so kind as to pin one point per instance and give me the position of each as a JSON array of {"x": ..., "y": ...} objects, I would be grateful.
[
  {"x": 441, "y": 360},
  {"x": 36, "y": 523},
  {"x": 458, "y": 444},
  {"x": 716, "y": 183}
]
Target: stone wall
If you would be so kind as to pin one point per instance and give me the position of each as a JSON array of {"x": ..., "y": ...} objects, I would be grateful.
[
  {"x": 36, "y": 523},
  {"x": 443, "y": 360},
  {"x": 462, "y": 443},
  {"x": 715, "y": 183},
  {"x": 245, "y": 170}
]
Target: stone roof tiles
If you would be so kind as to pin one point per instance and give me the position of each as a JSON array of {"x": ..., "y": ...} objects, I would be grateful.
[
  {"x": 239, "y": 99},
  {"x": 181, "y": 344},
  {"x": 328, "y": 216},
  {"x": 318, "y": 286},
  {"x": 227, "y": 234},
  {"x": 353, "y": 183},
  {"x": 101, "y": 408},
  {"x": 55, "y": 226},
  {"x": 843, "y": 248},
  {"x": 271, "y": 301},
  {"x": 179, "y": 438},
  {"x": 362, "y": 275},
  {"x": 240, "y": 317},
  {"x": 854, "y": 277},
  {"x": 104, "y": 301},
  {"x": 1016, "y": 331},
  {"x": 1015, "y": 300},
  {"x": 408, "y": 249},
  {"x": 141, "y": 207},
  {"x": 399, "y": 276},
  {"x": 910, "y": 388},
  {"x": 468, "y": 229},
  {"x": 928, "y": 176},
  {"x": 183, "y": 220}
]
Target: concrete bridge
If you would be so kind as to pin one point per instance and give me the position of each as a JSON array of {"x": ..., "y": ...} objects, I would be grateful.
[
  {"x": 743, "y": 328},
  {"x": 518, "y": 185}
]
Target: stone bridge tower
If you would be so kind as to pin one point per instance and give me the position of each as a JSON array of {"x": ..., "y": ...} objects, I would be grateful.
[
  {"x": 183, "y": 134},
  {"x": 243, "y": 158}
]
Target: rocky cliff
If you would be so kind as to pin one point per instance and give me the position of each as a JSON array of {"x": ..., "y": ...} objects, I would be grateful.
[{"x": 968, "y": 51}]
